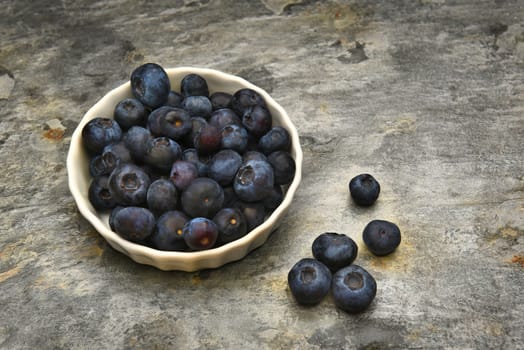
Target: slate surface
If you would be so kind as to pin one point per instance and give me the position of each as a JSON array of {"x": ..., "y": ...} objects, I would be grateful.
[{"x": 426, "y": 95}]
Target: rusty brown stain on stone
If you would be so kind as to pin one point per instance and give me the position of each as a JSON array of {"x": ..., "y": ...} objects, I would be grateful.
[
  {"x": 518, "y": 259},
  {"x": 55, "y": 134}
]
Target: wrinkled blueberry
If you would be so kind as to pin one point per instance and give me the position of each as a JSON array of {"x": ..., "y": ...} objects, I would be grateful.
[
  {"x": 254, "y": 180},
  {"x": 223, "y": 166},
  {"x": 231, "y": 224},
  {"x": 130, "y": 112},
  {"x": 100, "y": 132},
  {"x": 381, "y": 237},
  {"x": 257, "y": 120},
  {"x": 162, "y": 196},
  {"x": 162, "y": 152},
  {"x": 335, "y": 250},
  {"x": 364, "y": 189},
  {"x": 182, "y": 173},
  {"x": 353, "y": 289},
  {"x": 200, "y": 233},
  {"x": 134, "y": 223},
  {"x": 150, "y": 85},
  {"x": 197, "y": 106},
  {"x": 246, "y": 98},
  {"x": 234, "y": 137},
  {"x": 220, "y": 100},
  {"x": 309, "y": 281},
  {"x": 203, "y": 197},
  {"x": 276, "y": 139},
  {"x": 283, "y": 165},
  {"x": 128, "y": 184},
  {"x": 194, "y": 85},
  {"x": 99, "y": 194},
  {"x": 98, "y": 166},
  {"x": 135, "y": 140},
  {"x": 168, "y": 232}
]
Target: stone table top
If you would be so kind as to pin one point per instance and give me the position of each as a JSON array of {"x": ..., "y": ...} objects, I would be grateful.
[{"x": 427, "y": 96}]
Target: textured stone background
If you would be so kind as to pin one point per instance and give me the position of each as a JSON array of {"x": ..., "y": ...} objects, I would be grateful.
[{"x": 427, "y": 95}]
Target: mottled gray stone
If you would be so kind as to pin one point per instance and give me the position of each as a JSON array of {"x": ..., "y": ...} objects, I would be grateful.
[{"x": 425, "y": 95}]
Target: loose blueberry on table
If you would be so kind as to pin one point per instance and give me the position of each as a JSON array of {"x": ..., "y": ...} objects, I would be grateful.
[
  {"x": 353, "y": 289},
  {"x": 309, "y": 281},
  {"x": 185, "y": 168},
  {"x": 364, "y": 189},
  {"x": 381, "y": 237},
  {"x": 335, "y": 250}
]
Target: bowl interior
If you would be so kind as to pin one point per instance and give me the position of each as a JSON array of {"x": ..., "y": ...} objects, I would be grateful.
[{"x": 80, "y": 179}]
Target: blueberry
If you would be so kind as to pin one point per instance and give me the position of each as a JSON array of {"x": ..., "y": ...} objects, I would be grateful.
[
  {"x": 254, "y": 180},
  {"x": 197, "y": 123},
  {"x": 200, "y": 233},
  {"x": 162, "y": 152},
  {"x": 135, "y": 140},
  {"x": 253, "y": 155},
  {"x": 150, "y": 85},
  {"x": 130, "y": 112},
  {"x": 171, "y": 122},
  {"x": 254, "y": 212},
  {"x": 335, "y": 250},
  {"x": 112, "y": 216},
  {"x": 115, "y": 154},
  {"x": 274, "y": 198},
  {"x": 111, "y": 156},
  {"x": 128, "y": 184},
  {"x": 230, "y": 198},
  {"x": 246, "y": 98},
  {"x": 182, "y": 173},
  {"x": 99, "y": 167},
  {"x": 224, "y": 116},
  {"x": 197, "y": 106},
  {"x": 276, "y": 139},
  {"x": 309, "y": 281},
  {"x": 220, "y": 100},
  {"x": 231, "y": 224},
  {"x": 234, "y": 137},
  {"x": 257, "y": 120},
  {"x": 194, "y": 85},
  {"x": 223, "y": 166},
  {"x": 191, "y": 155},
  {"x": 353, "y": 289},
  {"x": 134, "y": 223},
  {"x": 283, "y": 165},
  {"x": 162, "y": 196},
  {"x": 174, "y": 99},
  {"x": 100, "y": 132},
  {"x": 381, "y": 237},
  {"x": 203, "y": 197},
  {"x": 207, "y": 140},
  {"x": 364, "y": 189},
  {"x": 99, "y": 194},
  {"x": 168, "y": 232}
]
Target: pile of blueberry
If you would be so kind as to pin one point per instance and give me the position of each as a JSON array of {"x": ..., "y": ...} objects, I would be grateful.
[
  {"x": 186, "y": 170},
  {"x": 352, "y": 287}
]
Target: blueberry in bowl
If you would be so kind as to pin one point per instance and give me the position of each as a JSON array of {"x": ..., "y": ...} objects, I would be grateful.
[{"x": 174, "y": 134}]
